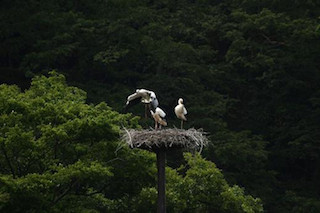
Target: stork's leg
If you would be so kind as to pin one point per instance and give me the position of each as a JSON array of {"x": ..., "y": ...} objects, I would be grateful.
[
  {"x": 181, "y": 124},
  {"x": 145, "y": 110},
  {"x": 149, "y": 109},
  {"x": 160, "y": 126},
  {"x": 155, "y": 125}
]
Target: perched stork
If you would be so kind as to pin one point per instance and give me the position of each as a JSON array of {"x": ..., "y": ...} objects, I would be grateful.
[
  {"x": 181, "y": 111},
  {"x": 142, "y": 96},
  {"x": 158, "y": 117}
]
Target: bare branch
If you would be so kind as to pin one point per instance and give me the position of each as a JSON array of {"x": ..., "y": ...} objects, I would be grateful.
[
  {"x": 272, "y": 41},
  {"x": 64, "y": 193},
  {"x": 8, "y": 161}
]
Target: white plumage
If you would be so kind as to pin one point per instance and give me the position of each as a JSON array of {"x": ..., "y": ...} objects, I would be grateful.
[
  {"x": 158, "y": 117},
  {"x": 142, "y": 96},
  {"x": 154, "y": 101},
  {"x": 181, "y": 111},
  {"x": 160, "y": 112}
]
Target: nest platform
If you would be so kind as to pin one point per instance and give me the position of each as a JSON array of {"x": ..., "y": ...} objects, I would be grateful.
[{"x": 165, "y": 139}]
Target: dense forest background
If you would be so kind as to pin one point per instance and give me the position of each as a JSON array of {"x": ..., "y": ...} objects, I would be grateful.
[{"x": 249, "y": 74}]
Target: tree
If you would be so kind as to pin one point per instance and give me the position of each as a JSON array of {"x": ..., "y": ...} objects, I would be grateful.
[
  {"x": 248, "y": 71},
  {"x": 60, "y": 154},
  {"x": 199, "y": 186},
  {"x": 55, "y": 149}
]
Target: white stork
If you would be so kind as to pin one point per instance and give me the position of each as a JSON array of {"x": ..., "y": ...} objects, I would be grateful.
[
  {"x": 158, "y": 117},
  {"x": 181, "y": 111},
  {"x": 142, "y": 96}
]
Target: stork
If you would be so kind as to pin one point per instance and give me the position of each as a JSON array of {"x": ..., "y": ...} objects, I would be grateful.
[
  {"x": 181, "y": 111},
  {"x": 142, "y": 96},
  {"x": 158, "y": 117}
]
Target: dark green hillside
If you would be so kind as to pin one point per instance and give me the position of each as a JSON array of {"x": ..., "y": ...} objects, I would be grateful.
[{"x": 248, "y": 71}]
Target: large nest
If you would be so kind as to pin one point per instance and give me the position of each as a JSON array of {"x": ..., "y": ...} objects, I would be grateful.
[{"x": 151, "y": 139}]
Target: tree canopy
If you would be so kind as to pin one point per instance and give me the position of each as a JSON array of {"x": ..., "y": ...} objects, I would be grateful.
[
  {"x": 59, "y": 154},
  {"x": 247, "y": 70}
]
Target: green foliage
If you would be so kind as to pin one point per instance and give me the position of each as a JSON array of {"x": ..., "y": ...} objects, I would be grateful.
[
  {"x": 291, "y": 202},
  {"x": 56, "y": 150},
  {"x": 60, "y": 154},
  {"x": 248, "y": 71},
  {"x": 200, "y": 187},
  {"x": 244, "y": 159}
]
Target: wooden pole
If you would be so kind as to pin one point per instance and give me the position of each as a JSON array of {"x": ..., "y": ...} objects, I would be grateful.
[{"x": 161, "y": 163}]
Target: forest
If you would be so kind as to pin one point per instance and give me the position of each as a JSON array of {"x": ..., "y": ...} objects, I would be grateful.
[{"x": 248, "y": 71}]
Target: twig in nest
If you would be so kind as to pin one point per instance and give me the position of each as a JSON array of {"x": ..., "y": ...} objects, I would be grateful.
[{"x": 166, "y": 138}]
